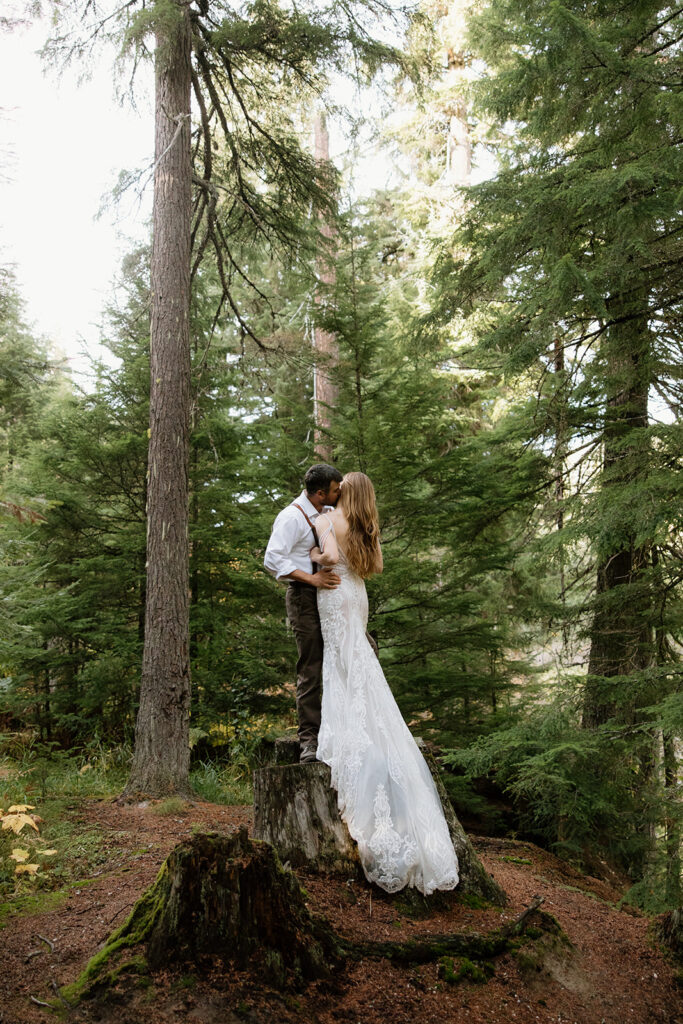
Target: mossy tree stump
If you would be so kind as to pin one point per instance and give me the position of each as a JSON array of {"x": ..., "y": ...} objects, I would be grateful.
[
  {"x": 295, "y": 809},
  {"x": 226, "y": 898}
]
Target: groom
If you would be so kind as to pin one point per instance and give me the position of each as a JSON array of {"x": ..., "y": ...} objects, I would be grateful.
[{"x": 287, "y": 558}]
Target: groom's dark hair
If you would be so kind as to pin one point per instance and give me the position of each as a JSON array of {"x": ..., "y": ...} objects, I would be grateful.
[{"x": 320, "y": 476}]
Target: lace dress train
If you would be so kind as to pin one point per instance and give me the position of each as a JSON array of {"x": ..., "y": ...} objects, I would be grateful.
[{"x": 385, "y": 790}]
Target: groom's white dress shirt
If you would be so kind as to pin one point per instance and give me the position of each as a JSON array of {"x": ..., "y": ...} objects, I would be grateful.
[{"x": 291, "y": 540}]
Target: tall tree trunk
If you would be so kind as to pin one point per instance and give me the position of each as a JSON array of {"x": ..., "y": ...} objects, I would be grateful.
[
  {"x": 560, "y": 458},
  {"x": 453, "y": 33},
  {"x": 325, "y": 389},
  {"x": 621, "y": 634},
  {"x": 161, "y": 761}
]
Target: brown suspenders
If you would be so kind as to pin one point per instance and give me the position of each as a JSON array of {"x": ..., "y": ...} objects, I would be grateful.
[{"x": 315, "y": 535}]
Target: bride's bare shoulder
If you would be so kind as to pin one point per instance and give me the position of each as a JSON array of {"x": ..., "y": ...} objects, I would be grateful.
[{"x": 338, "y": 518}]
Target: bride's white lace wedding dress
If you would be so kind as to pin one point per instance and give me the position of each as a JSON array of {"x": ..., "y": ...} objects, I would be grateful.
[{"x": 385, "y": 790}]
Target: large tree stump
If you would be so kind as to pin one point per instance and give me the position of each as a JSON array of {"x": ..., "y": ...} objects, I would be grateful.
[
  {"x": 226, "y": 898},
  {"x": 295, "y": 809}
]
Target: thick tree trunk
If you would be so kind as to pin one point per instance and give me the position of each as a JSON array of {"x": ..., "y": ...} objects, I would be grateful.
[
  {"x": 672, "y": 824},
  {"x": 621, "y": 635},
  {"x": 161, "y": 761},
  {"x": 295, "y": 809}
]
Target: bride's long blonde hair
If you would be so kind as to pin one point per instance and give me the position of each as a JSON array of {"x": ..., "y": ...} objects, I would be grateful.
[{"x": 357, "y": 501}]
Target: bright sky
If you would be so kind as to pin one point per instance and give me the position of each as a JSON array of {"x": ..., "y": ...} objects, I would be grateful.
[
  {"x": 62, "y": 146},
  {"x": 61, "y": 149}
]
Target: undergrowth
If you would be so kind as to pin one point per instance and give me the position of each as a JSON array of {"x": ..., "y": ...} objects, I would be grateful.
[{"x": 60, "y": 849}]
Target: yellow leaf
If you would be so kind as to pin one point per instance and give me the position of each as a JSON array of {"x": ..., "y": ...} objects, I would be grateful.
[
  {"x": 20, "y": 808},
  {"x": 47, "y": 853},
  {"x": 26, "y": 869},
  {"x": 86, "y": 768},
  {"x": 16, "y": 822},
  {"x": 19, "y": 855}
]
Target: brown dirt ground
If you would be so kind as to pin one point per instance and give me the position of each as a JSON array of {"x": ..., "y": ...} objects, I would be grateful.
[{"x": 614, "y": 975}]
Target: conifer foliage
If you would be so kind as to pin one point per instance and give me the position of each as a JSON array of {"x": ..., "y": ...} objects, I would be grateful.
[
  {"x": 508, "y": 374},
  {"x": 567, "y": 269}
]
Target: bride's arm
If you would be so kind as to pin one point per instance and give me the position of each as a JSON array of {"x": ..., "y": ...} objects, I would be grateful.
[{"x": 329, "y": 555}]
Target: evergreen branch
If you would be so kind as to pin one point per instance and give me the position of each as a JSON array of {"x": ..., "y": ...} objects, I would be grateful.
[{"x": 655, "y": 28}]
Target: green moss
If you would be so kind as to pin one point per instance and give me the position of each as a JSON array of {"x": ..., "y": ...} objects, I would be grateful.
[
  {"x": 516, "y": 860},
  {"x": 528, "y": 962},
  {"x": 410, "y": 902},
  {"x": 131, "y": 933},
  {"x": 473, "y": 901},
  {"x": 467, "y": 970},
  {"x": 494, "y": 943},
  {"x": 553, "y": 927}
]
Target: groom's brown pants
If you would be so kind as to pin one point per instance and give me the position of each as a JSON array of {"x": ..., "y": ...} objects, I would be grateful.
[{"x": 301, "y": 601}]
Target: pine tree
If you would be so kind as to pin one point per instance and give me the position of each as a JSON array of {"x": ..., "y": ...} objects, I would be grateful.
[{"x": 566, "y": 269}]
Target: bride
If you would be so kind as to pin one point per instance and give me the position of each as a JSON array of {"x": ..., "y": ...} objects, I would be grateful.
[{"x": 385, "y": 791}]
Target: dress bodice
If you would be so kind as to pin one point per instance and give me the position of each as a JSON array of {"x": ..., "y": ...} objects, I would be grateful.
[{"x": 341, "y": 567}]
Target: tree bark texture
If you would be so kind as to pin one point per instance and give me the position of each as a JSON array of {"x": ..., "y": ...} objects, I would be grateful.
[
  {"x": 325, "y": 389},
  {"x": 452, "y": 27},
  {"x": 621, "y": 634},
  {"x": 295, "y": 809},
  {"x": 161, "y": 761}
]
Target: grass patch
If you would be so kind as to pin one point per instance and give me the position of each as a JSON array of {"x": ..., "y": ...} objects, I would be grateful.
[
  {"x": 223, "y": 784},
  {"x": 32, "y": 903},
  {"x": 41, "y": 771},
  {"x": 516, "y": 860},
  {"x": 171, "y": 805}
]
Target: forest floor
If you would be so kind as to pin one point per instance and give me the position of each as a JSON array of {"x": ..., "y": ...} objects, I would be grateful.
[{"x": 612, "y": 973}]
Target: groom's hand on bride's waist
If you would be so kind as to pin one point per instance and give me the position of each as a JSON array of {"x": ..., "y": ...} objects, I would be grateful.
[{"x": 325, "y": 579}]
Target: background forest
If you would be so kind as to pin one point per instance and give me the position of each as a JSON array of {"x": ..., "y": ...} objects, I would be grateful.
[{"x": 503, "y": 355}]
